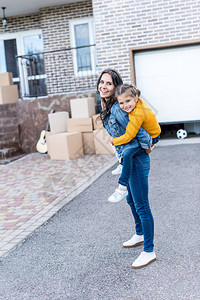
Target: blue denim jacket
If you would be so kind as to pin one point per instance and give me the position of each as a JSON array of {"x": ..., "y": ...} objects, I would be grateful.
[{"x": 116, "y": 123}]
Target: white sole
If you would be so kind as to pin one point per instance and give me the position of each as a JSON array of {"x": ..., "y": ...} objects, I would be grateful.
[
  {"x": 135, "y": 245},
  {"x": 139, "y": 267}
]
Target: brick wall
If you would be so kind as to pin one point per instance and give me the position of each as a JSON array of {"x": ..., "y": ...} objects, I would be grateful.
[
  {"x": 56, "y": 35},
  {"x": 120, "y": 25},
  {"x": 54, "y": 22},
  {"x": 22, "y": 23}
]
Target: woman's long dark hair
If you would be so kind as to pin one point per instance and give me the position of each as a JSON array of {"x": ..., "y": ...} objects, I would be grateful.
[{"x": 117, "y": 80}]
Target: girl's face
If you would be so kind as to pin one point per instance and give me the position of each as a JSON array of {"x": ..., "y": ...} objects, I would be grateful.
[
  {"x": 106, "y": 87},
  {"x": 127, "y": 102}
]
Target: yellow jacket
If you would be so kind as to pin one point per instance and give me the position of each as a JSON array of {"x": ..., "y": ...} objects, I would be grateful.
[{"x": 140, "y": 116}]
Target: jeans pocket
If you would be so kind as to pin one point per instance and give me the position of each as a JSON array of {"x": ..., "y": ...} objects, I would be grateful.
[{"x": 143, "y": 160}]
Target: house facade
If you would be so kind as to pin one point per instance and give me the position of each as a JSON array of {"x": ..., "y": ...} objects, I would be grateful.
[{"x": 61, "y": 49}]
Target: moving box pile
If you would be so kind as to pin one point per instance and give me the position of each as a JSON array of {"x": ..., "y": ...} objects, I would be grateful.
[{"x": 82, "y": 134}]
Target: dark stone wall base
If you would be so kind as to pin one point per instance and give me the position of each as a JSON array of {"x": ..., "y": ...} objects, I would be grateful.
[{"x": 33, "y": 116}]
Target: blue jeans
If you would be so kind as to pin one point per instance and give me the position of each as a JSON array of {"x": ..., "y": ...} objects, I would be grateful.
[
  {"x": 138, "y": 199},
  {"x": 127, "y": 162}
]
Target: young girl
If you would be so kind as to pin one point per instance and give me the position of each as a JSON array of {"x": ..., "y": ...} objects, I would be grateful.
[{"x": 140, "y": 115}]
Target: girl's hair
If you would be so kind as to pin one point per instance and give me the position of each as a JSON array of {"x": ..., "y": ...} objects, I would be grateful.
[
  {"x": 129, "y": 89},
  {"x": 117, "y": 80}
]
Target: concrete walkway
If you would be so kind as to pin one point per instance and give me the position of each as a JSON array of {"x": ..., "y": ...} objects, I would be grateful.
[
  {"x": 34, "y": 188},
  {"x": 78, "y": 255}
]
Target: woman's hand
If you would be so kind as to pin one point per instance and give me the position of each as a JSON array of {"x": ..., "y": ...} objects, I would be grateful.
[
  {"x": 111, "y": 141},
  {"x": 150, "y": 149}
]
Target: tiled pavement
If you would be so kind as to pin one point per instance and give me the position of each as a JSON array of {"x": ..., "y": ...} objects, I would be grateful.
[{"x": 34, "y": 188}]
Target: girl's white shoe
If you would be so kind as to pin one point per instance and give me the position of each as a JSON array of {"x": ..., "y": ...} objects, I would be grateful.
[
  {"x": 144, "y": 259},
  {"x": 118, "y": 195},
  {"x": 118, "y": 170}
]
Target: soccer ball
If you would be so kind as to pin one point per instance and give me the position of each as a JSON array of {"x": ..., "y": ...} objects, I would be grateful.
[{"x": 181, "y": 134}]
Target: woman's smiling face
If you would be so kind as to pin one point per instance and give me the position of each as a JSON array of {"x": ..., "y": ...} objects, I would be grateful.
[{"x": 106, "y": 87}]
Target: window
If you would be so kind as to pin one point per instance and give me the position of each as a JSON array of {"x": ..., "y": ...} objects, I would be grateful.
[
  {"x": 2, "y": 58},
  {"x": 8, "y": 61},
  {"x": 33, "y": 44},
  {"x": 83, "y": 40},
  {"x": 21, "y": 43}
]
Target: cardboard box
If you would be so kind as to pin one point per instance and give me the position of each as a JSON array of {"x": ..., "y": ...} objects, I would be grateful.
[
  {"x": 80, "y": 125},
  {"x": 82, "y": 107},
  {"x": 97, "y": 123},
  {"x": 58, "y": 121},
  {"x": 64, "y": 145},
  {"x": 88, "y": 143},
  {"x": 8, "y": 94},
  {"x": 6, "y": 79},
  {"x": 102, "y": 142}
]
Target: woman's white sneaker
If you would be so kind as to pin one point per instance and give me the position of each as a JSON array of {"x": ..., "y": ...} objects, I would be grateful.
[
  {"x": 134, "y": 241},
  {"x": 144, "y": 259},
  {"x": 118, "y": 170}
]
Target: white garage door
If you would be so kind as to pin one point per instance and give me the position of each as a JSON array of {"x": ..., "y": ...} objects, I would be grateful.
[{"x": 169, "y": 80}]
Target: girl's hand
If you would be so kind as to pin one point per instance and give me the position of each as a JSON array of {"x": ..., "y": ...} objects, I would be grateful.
[
  {"x": 150, "y": 149},
  {"x": 111, "y": 141}
]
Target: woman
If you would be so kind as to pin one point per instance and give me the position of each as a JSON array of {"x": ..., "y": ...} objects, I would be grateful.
[{"x": 115, "y": 121}]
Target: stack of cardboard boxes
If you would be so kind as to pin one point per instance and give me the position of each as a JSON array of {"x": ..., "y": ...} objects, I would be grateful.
[
  {"x": 82, "y": 111},
  {"x": 8, "y": 90},
  {"x": 82, "y": 134},
  {"x": 61, "y": 144}
]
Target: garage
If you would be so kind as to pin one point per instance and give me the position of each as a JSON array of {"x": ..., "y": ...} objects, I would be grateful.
[{"x": 169, "y": 80}]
